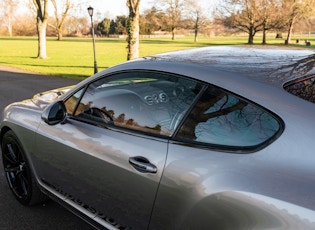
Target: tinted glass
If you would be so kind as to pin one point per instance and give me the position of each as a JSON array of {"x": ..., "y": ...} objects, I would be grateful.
[
  {"x": 143, "y": 101},
  {"x": 220, "y": 118},
  {"x": 303, "y": 88},
  {"x": 71, "y": 102}
]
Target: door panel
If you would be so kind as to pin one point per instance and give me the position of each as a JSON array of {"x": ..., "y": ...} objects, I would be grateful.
[
  {"x": 91, "y": 166},
  {"x": 94, "y": 159}
]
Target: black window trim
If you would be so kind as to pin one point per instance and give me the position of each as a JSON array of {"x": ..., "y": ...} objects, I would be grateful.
[
  {"x": 124, "y": 129},
  {"x": 227, "y": 148},
  {"x": 173, "y": 138}
]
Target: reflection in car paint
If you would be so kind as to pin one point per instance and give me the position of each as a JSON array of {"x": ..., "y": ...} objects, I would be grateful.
[{"x": 88, "y": 208}]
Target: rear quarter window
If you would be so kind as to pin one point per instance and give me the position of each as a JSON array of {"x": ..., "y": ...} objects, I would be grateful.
[
  {"x": 303, "y": 88},
  {"x": 228, "y": 122}
]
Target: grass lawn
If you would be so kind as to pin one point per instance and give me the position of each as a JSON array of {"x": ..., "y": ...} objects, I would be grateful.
[{"x": 73, "y": 57}]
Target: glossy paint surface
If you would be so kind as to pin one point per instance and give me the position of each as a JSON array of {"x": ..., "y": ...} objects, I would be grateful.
[{"x": 89, "y": 167}]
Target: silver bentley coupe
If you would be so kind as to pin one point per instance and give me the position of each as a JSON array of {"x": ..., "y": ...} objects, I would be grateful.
[{"x": 216, "y": 138}]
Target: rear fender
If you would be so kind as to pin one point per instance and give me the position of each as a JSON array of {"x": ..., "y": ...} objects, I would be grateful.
[{"x": 239, "y": 211}]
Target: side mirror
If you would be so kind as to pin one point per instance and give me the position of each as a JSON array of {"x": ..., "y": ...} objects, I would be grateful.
[{"x": 55, "y": 113}]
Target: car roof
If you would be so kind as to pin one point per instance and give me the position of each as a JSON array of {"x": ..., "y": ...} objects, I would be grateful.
[
  {"x": 230, "y": 67},
  {"x": 274, "y": 65},
  {"x": 244, "y": 70}
]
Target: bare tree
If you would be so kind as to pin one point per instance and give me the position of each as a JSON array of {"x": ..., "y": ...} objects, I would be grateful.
[
  {"x": 174, "y": 9},
  {"x": 41, "y": 7},
  {"x": 65, "y": 6},
  {"x": 8, "y": 8},
  {"x": 133, "y": 29},
  {"x": 252, "y": 16},
  {"x": 196, "y": 15},
  {"x": 271, "y": 16},
  {"x": 77, "y": 26},
  {"x": 295, "y": 10},
  {"x": 244, "y": 15}
]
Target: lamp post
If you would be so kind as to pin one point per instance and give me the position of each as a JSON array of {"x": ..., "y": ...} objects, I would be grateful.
[{"x": 90, "y": 10}]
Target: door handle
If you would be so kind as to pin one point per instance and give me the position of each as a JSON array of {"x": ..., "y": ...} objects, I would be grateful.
[{"x": 142, "y": 164}]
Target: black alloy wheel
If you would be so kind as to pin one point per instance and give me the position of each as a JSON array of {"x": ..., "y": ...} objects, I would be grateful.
[{"x": 16, "y": 169}]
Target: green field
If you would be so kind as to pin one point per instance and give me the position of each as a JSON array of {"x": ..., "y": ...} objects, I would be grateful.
[{"x": 73, "y": 57}]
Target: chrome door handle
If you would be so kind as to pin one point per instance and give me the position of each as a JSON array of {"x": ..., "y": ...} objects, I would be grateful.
[{"x": 142, "y": 164}]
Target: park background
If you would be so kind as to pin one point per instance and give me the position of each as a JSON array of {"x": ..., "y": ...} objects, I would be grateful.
[{"x": 198, "y": 23}]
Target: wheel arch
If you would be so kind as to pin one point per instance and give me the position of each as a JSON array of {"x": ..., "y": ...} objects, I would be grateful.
[
  {"x": 3, "y": 131},
  {"x": 26, "y": 189}
]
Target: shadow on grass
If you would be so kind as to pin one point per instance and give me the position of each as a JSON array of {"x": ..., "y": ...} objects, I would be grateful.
[
  {"x": 19, "y": 38},
  {"x": 65, "y": 75},
  {"x": 153, "y": 41},
  {"x": 62, "y": 66}
]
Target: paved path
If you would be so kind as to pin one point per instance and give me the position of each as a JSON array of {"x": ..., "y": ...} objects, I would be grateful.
[{"x": 15, "y": 86}]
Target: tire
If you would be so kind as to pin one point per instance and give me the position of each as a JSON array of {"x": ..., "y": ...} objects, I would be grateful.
[{"x": 18, "y": 173}]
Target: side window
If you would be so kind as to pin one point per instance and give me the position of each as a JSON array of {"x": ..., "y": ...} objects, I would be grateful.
[
  {"x": 148, "y": 102},
  {"x": 71, "y": 102},
  {"x": 303, "y": 88},
  {"x": 220, "y": 118}
]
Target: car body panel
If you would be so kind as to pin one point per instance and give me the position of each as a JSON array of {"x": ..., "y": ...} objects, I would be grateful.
[
  {"x": 22, "y": 118},
  {"x": 196, "y": 186},
  {"x": 45, "y": 98},
  {"x": 218, "y": 183},
  {"x": 101, "y": 157}
]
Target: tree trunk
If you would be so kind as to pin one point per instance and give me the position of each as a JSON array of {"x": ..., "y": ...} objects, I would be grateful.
[
  {"x": 41, "y": 30},
  {"x": 251, "y": 34},
  {"x": 41, "y": 26},
  {"x": 173, "y": 33},
  {"x": 196, "y": 35},
  {"x": 250, "y": 39},
  {"x": 9, "y": 25},
  {"x": 133, "y": 29},
  {"x": 289, "y": 35},
  {"x": 10, "y": 30},
  {"x": 264, "y": 41},
  {"x": 59, "y": 35},
  {"x": 60, "y": 20},
  {"x": 196, "y": 29}
]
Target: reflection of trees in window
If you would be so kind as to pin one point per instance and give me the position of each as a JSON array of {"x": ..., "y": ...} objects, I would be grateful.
[
  {"x": 220, "y": 118},
  {"x": 143, "y": 101},
  {"x": 110, "y": 112},
  {"x": 130, "y": 122},
  {"x": 303, "y": 88},
  {"x": 199, "y": 113},
  {"x": 120, "y": 118},
  {"x": 72, "y": 102}
]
